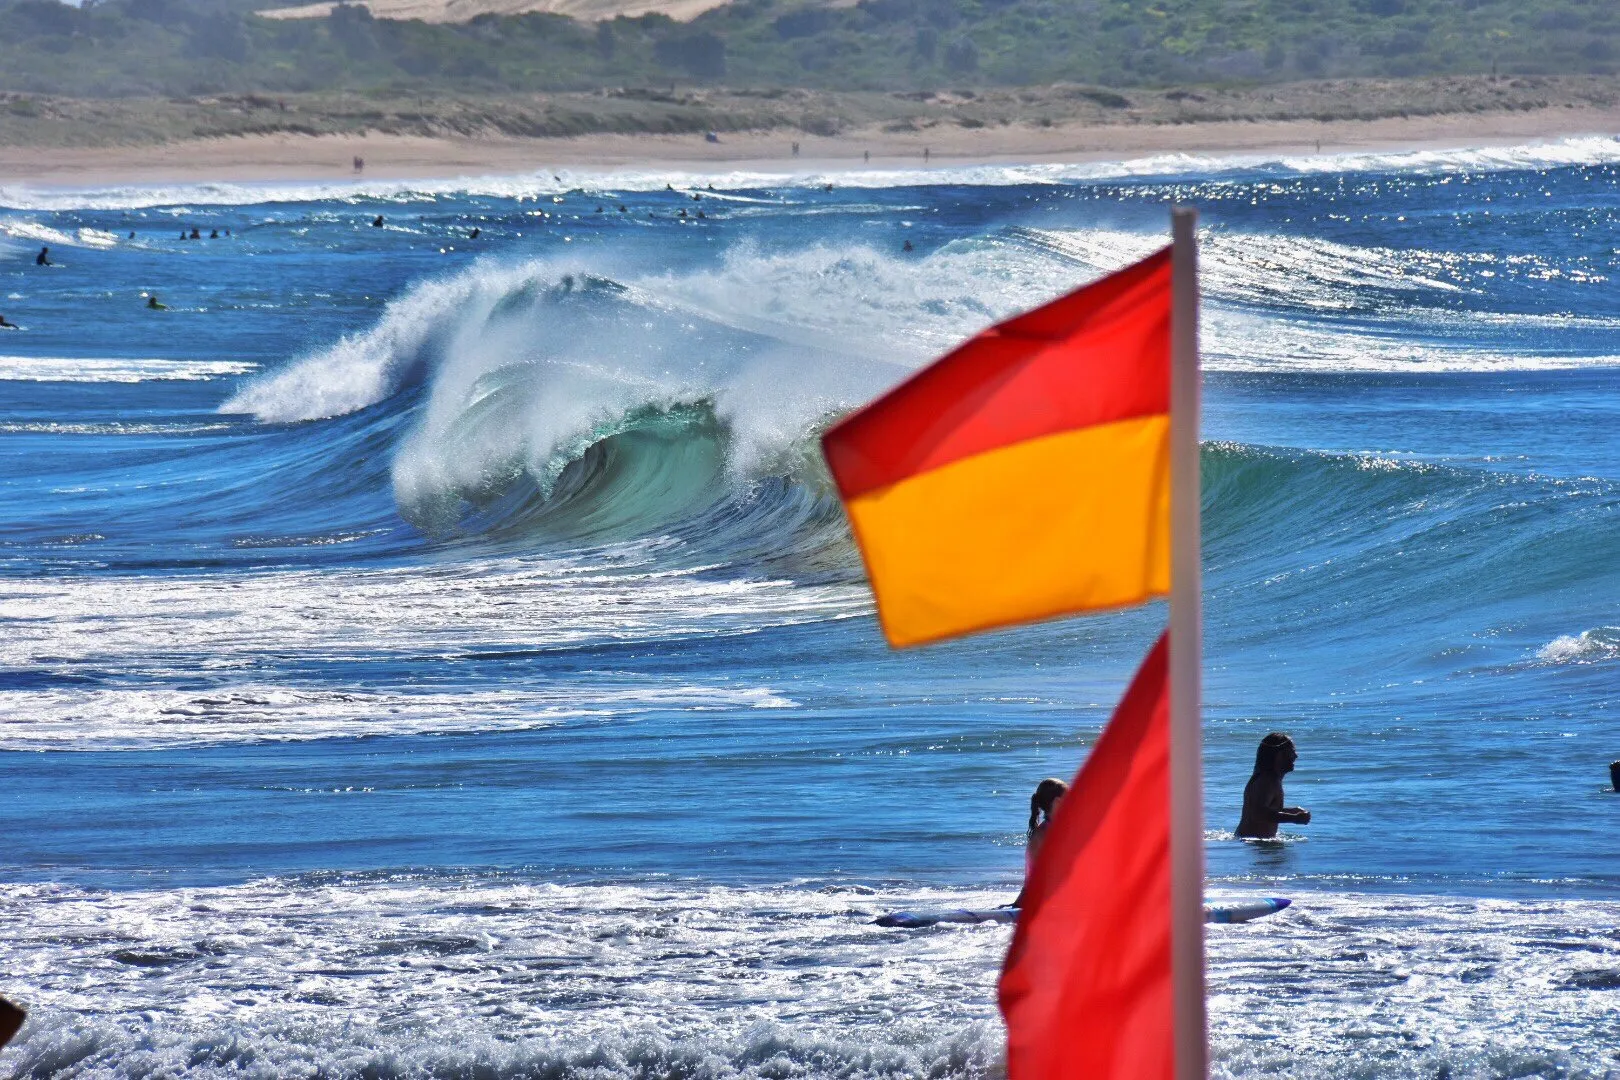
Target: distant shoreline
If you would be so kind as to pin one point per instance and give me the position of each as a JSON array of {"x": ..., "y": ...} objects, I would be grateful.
[{"x": 72, "y": 143}]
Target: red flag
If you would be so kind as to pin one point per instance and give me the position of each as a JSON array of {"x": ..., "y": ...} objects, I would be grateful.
[{"x": 1086, "y": 987}]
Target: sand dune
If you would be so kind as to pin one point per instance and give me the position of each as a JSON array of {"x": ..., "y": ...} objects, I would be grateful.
[{"x": 465, "y": 10}]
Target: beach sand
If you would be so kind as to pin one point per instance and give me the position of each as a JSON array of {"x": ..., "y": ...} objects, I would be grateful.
[{"x": 283, "y": 157}]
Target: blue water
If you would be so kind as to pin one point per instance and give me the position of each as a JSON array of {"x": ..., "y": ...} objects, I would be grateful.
[{"x": 386, "y": 555}]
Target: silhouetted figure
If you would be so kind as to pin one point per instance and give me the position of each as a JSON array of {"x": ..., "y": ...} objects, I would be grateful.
[
  {"x": 196, "y": 233},
  {"x": 132, "y": 234},
  {"x": 701, "y": 214},
  {"x": 377, "y": 222},
  {"x": 1263, "y": 808},
  {"x": 154, "y": 304},
  {"x": 795, "y": 149},
  {"x": 925, "y": 153},
  {"x": 1042, "y": 805},
  {"x": 43, "y": 258},
  {"x": 475, "y": 234},
  {"x": 907, "y": 246},
  {"x": 214, "y": 235},
  {"x": 683, "y": 213},
  {"x": 599, "y": 210},
  {"x": 227, "y": 231},
  {"x": 182, "y": 234},
  {"x": 4, "y": 325},
  {"x": 624, "y": 209},
  {"x": 11, "y": 1020},
  {"x": 359, "y": 162},
  {"x": 1614, "y": 774}
]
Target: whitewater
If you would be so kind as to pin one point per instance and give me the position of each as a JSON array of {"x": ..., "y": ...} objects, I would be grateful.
[{"x": 437, "y": 656}]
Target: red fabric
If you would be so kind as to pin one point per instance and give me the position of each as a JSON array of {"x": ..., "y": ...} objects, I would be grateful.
[
  {"x": 1099, "y": 354},
  {"x": 1086, "y": 987}
]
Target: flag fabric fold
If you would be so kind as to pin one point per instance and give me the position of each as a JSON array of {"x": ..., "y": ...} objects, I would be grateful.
[
  {"x": 1024, "y": 475},
  {"x": 1086, "y": 987}
]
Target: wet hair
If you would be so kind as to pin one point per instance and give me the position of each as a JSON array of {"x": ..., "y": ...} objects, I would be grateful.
[
  {"x": 1270, "y": 747},
  {"x": 1046, "y": 796}
]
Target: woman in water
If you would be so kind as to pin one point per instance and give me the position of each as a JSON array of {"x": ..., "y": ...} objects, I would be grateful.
[
  {"x": 1263, "y": 808},
  {"x": 1042, "y": 804}
]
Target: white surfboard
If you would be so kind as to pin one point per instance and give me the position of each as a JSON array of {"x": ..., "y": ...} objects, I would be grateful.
[{"x": 1224, "y": 911}]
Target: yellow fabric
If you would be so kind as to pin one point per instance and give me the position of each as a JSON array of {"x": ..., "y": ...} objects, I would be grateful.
[{"x": 1065, "y": 523}]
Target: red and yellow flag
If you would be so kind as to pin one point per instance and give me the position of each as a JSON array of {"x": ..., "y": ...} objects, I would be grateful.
[
  {"x": 1027, "y": 473},
  {"x": 1086, "y": 986}
]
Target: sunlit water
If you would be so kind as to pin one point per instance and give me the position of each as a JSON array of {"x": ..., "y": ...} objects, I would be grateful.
[{"x": 427, "y": 656}]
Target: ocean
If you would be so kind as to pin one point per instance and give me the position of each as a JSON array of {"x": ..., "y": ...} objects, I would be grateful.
[{"x": 434, "y": 656}]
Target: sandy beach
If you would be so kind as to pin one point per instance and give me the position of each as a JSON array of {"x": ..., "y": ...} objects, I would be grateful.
[{"x": 283, "y": 156}]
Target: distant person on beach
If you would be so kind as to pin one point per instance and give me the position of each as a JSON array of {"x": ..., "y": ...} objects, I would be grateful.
[
  {"x": 1263, "y": 808},
  {"x": 1042, "y": 804},
  {"x": 43, "y": 258}
]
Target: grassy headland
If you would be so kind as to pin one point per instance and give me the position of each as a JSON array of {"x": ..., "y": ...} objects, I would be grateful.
[
  {"x": 108, "y": 48},
  {"x": 42, "y": 121}
]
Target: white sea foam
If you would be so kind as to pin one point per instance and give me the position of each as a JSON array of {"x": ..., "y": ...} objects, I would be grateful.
[
  {"x": 1587, "y": 647},
  {"x": 1587, "y": 150},
  {"x": 60, "y": 628},
  {"x": 77, "y": 369},
  {"x": 868, "y": 317},
  {"x": 457, "y": 975},
  {"x": 131, "y": 718}
]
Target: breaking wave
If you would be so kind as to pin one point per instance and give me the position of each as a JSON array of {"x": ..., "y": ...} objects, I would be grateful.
[{"x": 557, "y": 403}]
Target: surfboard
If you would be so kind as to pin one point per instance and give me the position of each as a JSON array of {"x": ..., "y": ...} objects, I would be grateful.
[{"x": 1225, "y": 911}]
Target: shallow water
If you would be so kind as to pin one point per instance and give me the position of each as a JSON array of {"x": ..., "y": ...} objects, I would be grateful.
[{"x": 426, "y": 656}]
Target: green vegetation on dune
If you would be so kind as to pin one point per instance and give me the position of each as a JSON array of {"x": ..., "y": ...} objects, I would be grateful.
[{"x": 191, "y": 47}]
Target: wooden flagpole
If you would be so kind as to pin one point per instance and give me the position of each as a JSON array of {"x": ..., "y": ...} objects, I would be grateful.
[{"x": 1186, "y": 659}]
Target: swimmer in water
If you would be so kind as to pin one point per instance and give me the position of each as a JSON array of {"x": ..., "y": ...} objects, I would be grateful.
[
  {"x": 377, "y": 222},
  {"x": 4, "y": 325},
  {"x": 43, "y": 258},
  {"x": 1263, "y": 808},
  {"x": 154, "y": 304},
  {"x": 1042, "y": 805}
]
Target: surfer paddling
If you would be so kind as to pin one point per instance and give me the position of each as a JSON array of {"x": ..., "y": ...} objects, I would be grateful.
[
  {"x": 1263, "y": 808},
  {"x": 1042, "y": 804}
]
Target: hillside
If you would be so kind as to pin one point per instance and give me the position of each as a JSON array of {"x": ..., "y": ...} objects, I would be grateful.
[
  {"x": 460, "y": 11},
  {"x": 193, "y": 47}
]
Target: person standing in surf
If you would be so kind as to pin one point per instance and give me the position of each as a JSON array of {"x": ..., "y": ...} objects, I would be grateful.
[
  {"x": 1042, "y": 805},
  {"x": 1263, "y": 808}
]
